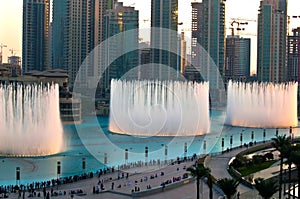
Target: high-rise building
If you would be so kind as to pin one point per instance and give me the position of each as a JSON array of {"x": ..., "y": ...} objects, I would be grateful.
[
  {"x": 182, "y": 60},
  {"x": 121, "y": 19},
  {"x": 196, "y": 32},
  {"x": 164, "y": 15},
  {"x": 59, "y": 14},
  {"x": 271, "y": 41},
  {"x": 237, "y": 65},
  {"x": 208, "y": 46},
  {"x": 77, "y": 29},
  {"x": 293, "y": 56},
  {"x": 208, "y": 40},
  {"x": 35, "y": 39}
]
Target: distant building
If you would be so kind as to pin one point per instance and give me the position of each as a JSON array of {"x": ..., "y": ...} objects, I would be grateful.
[
  {"x": 119, "y": 20},
  {"x": 182, "y": 60},
  {"x": 35, "y": 40},
  {"x": 208, "y": 46},
  {"x": 192, "y": 74},
  {"x": 59, "y": 16},
  {"x": 293, "y": 56},
  {"x": 77, "y": 30},
  {"x": 271, "y": 40},
  {"x": 237, "y": 65},
  {"x": 164, "y": 14}
]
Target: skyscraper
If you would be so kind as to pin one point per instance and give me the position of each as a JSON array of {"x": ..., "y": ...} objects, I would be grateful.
[
  {"x": 77, "y": 28},
  {"x": 119, "y": 20},
  {"x": 35, "y": 40},
  {"x": 271, "y": 41},
  {"x": 208, "y": 32},
  {"x": 196, "y": 32},
  {"x": 164, "y": 15},
  {"x": 237, "y": 65},
  {"x": 293, "y": 56},
  {"x": 59, "y": 10}
]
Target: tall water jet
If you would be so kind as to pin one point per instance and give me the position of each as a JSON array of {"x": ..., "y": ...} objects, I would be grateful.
[
  {"x": 163, "y": 108},
  {"x": 30, "y": 122},
  {"x": 262, "y": 105}
]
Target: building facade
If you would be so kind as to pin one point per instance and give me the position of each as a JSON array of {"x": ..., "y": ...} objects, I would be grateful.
[
  {"x": 35, "y": 38},
  {"x": 164, "y": 15},
  {"x": 119, "y": 20},
  {"x": 271, "y": 41},
  {"x": 208, "y": 40},
  {"x": 237, "y": 65},
  {"x": 293, "y": 56},
  {"x": 59, "y": 10},
  {"x": 77, "y": 29}
]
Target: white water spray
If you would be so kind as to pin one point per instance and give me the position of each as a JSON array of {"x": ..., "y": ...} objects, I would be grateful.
[
  {"x": 164, "y": 108},
  {"x": 30, "y": 122},
  {"x": 262, "y": 105}
]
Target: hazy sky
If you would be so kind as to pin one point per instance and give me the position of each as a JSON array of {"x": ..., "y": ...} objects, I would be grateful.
[{"x": 11, "y": 20}]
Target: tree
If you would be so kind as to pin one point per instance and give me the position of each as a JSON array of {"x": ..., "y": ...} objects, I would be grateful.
[
  {"x": 280, "y": 143},
  {"x": 287, "y": 153},
  {"x": 295, "y": 158},
  {"x": 266, "y": 188},
  {"x": 198, "y": 172},
  {"x": 229, "y": 186}
]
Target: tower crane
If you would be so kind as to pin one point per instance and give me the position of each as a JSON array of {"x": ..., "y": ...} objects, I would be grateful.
[
  {"x": 12, "y": 51},
  {"x": 1, "y": 47},
  {"x": 239, "y": 21}
]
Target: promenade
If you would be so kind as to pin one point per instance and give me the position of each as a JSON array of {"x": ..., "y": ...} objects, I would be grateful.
[
  {"x": 117, "y": 185},
  {"x": 146, "y": 182}
]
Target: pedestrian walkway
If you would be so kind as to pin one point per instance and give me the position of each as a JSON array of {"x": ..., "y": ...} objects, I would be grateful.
[
  {"x": 139, "y": 178},
  {"x": 218, "y": 165}
]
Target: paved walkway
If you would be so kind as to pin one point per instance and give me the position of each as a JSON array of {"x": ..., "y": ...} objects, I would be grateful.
[
  {"x": 218, "y": 166},
  {"x": 137, "y": 178}
]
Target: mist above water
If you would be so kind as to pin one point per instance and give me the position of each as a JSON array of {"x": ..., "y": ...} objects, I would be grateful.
[
  {"x": 30, "y": 122},
  {"x": 262, "y": 105},
  {"x": 164, "y": 108}
]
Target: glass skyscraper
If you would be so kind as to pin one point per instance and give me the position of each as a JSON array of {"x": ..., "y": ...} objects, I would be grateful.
[
  {"x": 271, "y": 41},
  {"x": 119, "y": 20},
  {"x": 164, "y": 15},
  {"x": 35, "y": 39}
]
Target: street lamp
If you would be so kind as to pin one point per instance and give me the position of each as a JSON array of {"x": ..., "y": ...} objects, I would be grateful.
[
  {"x": 222, "y": 145},
  {"x": 241, "y": 139},
  {"x": 166, "y": 153},
  {"x": 17, "y": 175},
  {"x": 126, "y": 156},
  {"x": 83, "y": 164},
  {"x": 146, "y": 155},
  {"x": 185, "y": 150},
  {"x": 58, "y": 172}
]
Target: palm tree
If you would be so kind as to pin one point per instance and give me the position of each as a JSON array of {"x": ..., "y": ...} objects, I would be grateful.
[
  {"x": 229, "y": 186},
  {"x": 287, "y": 153},
  {"x": 295, "y": 158},
  {"x": 266, "y": 188},
  {"x": 280, "y": 143},
  {"x": 198, "y": 172}
]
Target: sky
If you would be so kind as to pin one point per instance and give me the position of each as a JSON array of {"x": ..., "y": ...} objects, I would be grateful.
[{"x": 11, "y": 21}]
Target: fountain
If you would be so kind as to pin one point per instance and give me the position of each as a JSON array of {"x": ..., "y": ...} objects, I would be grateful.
[
  {"x": 162, "y": 108},
  {"x": 262, "y": 105},
  {"x": 30, "y": 120}
]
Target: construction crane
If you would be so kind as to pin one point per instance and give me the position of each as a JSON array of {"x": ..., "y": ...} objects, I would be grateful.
[
  {"x": 239, "y": 21},
  {"x": 1, "y": 47},
  {"x": 294, "y": 17},
  {"x": 12, "y": 51}
]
